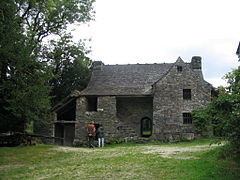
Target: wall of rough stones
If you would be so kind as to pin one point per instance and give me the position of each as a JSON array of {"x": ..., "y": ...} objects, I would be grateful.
[
  {"x": 105, "y": 115},
  {"x": 131, "y": 110},
  {"x": 120, "y": 117},
  {"x": 168, "y": 103}
]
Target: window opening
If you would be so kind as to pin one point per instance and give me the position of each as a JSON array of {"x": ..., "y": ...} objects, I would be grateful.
[
  {"x": 92, "y": 104},
  {"x": 187, "y": 118},
  {"x": 214, "y": 93},
  {"x": 146, "y": 127},
  {"x": 68, "y": 112},
  {"x": 179, "y": 68},
  {"x": 187, "y": 94}
]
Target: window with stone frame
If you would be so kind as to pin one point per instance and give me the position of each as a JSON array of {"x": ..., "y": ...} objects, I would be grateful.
[
  {"x": 187, "y": 118},
  {"x": 179, "y": 68},
  {"x": 91, "y": 103},
  {"x": 187, "y": 94}
]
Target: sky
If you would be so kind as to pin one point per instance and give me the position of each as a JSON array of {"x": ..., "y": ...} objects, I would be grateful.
[{"x": 158, "y": 31}]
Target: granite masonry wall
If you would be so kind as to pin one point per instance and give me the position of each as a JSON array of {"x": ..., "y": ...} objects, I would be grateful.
[
  {"x": 105, "y": 115},
  {"x": 169, "y": 105},
  {"x": 120, "y": 117},
  {"x": 130, "y": 111}
]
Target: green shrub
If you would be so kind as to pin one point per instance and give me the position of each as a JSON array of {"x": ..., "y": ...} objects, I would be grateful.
[
  {"x": 116, "y": 141},
  {"x": 202, "y": 121}
]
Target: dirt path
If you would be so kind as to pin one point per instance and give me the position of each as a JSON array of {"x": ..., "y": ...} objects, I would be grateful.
[{"x": 176, "y": 152}]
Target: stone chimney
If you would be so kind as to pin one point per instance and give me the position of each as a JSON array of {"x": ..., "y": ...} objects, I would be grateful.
[
  {"x": 97, "y": 65},
  {"x": 196, "y": 65}
]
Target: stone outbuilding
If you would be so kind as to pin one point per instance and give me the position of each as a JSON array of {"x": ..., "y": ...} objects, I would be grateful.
[{"x": 135, "y": 102}]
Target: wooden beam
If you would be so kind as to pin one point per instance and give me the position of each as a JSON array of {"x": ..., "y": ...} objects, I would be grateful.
[{"x": 64, "y": 122}]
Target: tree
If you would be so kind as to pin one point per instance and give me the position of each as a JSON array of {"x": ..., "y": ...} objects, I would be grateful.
[
  {"x": 41, "y": 18},
  {"x": 70, "y": 66},
  {"x": 25, "y": 76},
  {"x": 224, "y": 113},
  {"x": 232, "y": 121},
  {"x": 22, "y": 84}
]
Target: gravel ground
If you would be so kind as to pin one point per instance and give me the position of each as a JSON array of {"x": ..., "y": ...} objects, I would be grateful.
[
  {"x": 178, "y": 152},
  {"x": 175, "y": 152}
]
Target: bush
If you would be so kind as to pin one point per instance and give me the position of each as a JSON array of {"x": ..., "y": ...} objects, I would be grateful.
[
  {"x": 202, "y": 121},
  {"x": 116, "y": 141}
]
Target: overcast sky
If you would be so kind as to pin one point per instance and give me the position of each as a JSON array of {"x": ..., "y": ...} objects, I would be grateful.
[{"x": 158, "y": 31}]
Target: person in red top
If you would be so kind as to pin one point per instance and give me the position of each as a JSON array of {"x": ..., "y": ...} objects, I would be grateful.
[{"x": 91, "y": 134}]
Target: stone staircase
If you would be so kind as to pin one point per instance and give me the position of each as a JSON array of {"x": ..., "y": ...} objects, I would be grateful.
[
  {"x": 125, "y": 130},
  {"x": 129, "y": 134}
]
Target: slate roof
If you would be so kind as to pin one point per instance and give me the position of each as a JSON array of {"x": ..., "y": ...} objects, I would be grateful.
[{"x": 132, "y": 79}]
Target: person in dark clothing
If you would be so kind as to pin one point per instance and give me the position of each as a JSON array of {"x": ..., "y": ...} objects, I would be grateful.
[
  {"x": 100, "y": 133},
  {"x": 91, "y": 134}
]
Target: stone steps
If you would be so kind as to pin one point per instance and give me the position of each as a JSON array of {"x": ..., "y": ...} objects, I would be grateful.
[{"x": 126, "y": 130}]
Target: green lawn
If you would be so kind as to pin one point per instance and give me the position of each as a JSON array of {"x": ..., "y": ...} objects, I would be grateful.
[{"x": 127, "y": 161}]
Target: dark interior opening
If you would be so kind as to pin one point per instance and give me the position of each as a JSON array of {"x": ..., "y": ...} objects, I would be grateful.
[
  {"x": 146, "y": 127},
  {"x": 179, "y": 68},
  {"x": 187, "y": 94},
  {"x": 69, "y": 134},
  {"x": 187, "y": 118},
  {"x": 92, "y": 103},
  {"x": 65, "y": 133},
  {"x": 59, "y": 133},
  {"x": 68, "y": 112}
]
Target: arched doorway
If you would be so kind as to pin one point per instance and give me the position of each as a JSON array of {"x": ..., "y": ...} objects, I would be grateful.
[{"x": 146, "y": 127}]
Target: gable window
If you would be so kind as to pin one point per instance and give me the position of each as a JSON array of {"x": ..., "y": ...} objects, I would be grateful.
[
  {"x": 91, "y": 103},
  {"x": 179, "y": 68},
  {"x": 187, "y": 94},
  {"x": 187, "y": 118}
]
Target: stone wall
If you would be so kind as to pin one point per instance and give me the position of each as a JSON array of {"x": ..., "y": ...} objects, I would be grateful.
[
  {"x": 120, "y": 117},
  {"x": 168, "y": 103},
  {"x": 131, "y": 110},
  {"x": 105, "y": 115}
]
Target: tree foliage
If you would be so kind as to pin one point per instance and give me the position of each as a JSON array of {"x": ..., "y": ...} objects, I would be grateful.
[
  {"x": 70, "y": 66},
  {"x": 25, "y": 76},
  {"x": 24, "y": 93},
  {"x": 201, "y": 121},
  {"x": 41, "y": 18},
  {"x": 223, "y": 113}
]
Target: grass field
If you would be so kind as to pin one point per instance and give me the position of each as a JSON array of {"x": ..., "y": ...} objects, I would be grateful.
[{"x": 191, "y": 160}]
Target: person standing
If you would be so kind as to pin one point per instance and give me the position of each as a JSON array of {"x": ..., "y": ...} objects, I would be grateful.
[
  {"x": 91, "y": 134},
  {"x": 100, "y": 133}
]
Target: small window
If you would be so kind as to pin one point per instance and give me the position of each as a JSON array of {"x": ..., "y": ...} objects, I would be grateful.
[
  {"x": 92, "y": 104},
  {"x": 187, "y": 118},
  {"x": 187, "y": 94},
  {"x": 214, "y": 93},
  {"x": 179, "y": 68}
]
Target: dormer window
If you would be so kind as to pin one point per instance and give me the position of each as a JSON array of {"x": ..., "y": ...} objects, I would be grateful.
[{"x": 179, "y": 68}]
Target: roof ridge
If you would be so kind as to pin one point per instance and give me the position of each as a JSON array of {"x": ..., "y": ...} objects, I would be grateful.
[{"x": 136, "y": 64}]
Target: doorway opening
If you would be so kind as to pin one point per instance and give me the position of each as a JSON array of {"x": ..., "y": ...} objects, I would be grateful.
[{"x": 146, "y": 127}]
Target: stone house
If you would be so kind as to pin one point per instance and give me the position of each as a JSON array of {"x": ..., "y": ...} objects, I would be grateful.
[{"x": 135, "y": 102}]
